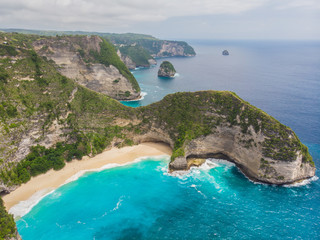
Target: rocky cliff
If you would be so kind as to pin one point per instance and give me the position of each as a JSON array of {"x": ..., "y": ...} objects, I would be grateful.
[
  {"x": 47, "y": 118},
  {"x": 221, "y": 125},
  {"x": 166, "y": 70},
  {"x": 77, "y": 58},
  {"x": 172, "y": 49},
  {"x": 41, "y": 106},
  {"x": 136, "y": 50},
  {"x": 225, "y": 52},
  {"x": 142, "y": 53},
  {"x": 135, "y": 56}
]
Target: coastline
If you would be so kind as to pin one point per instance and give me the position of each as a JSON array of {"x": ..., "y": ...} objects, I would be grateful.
[
  {"x": 141, "y": 97},
  {"x": 45, "y": 183}
]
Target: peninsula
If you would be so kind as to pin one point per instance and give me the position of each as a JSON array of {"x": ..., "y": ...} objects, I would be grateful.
[{"x": 49, "y": 117}]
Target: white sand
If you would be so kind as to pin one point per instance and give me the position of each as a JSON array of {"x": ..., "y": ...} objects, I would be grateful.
[{"x": 53, "y": 179}]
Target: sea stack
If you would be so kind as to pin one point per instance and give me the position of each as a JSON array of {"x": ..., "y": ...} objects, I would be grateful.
[
  {"x": 166, "y": 70},
  {"x": 225, "y": 52}
]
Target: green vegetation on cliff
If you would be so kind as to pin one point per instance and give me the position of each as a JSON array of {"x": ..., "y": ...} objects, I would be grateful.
[
  {"x": 187, "y": 116},
  {"x": 92, "y": 49},
  {"x": 132, "y": 41},
  {"x": 33, "y": 89},
  {"x": 7, "y": 224},
  {"x": 40, "y": 107},
  {"x": 137, "y": 54},
  {"x": 108, "y": 56},
  {"x": 166, "y": 69}
]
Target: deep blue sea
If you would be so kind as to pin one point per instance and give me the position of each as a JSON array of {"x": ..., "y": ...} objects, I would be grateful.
[{"x": 142, "y": 201}]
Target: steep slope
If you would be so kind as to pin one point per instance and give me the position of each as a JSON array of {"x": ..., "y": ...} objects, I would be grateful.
[
  {"x": 47, "y": 119},
  {"x": 40, "y": 106},
  {"x": 130, "y": 45},
  {"x": 156, "y": 47},
  {"x": 135, "y": 56},
  {"x": 92, "y": 62},
  {"x": 166, "y": 70},
  {"x": 219, "y": 124}
]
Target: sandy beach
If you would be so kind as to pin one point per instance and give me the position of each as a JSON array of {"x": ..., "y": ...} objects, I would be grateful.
[{"x": 53, "y": 179}]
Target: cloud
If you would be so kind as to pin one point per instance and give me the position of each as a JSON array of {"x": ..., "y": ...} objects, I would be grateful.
[
  {"x": 287, "y": 4},
  {"x": 70, "y": 13},
  {"x": 188, "y": 18}
]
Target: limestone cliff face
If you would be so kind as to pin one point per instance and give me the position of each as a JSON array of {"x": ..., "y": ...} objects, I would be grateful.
[
  {"x": 152, "y": 62},
  {"x": 40, "y": 106},
  {"x": 134, "y": 56},
  {"x": 69, "y": 53},
  {"x": 127, "y": 61},
  {"x": 221, "y": 125},
  {"x": 173, "y": 48},
  {"x": 226, "y": 144}
]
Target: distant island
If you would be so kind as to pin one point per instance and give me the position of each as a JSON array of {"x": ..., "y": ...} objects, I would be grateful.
[
  {"x": 225, "y": 52},
  {"x": 166, "y": 70}
]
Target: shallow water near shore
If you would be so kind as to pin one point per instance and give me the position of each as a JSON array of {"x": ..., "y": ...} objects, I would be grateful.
[{"x": 142, "y": 201}]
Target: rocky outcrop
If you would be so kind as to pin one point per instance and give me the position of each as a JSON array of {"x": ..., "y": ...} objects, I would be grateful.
[
  {"x": 173, "y": 49},
  {"x": 225, "y": 52},
  {"x": 127, "y": 61},
  {"x": 213, "y": 124},
  {"x": 152, "y": 61},
  {"x": 71, "y": 54},
  {"x": 52, "y": 108},
  {"x": 227, "y": 144},
  {"x": 166, "y": 70}
]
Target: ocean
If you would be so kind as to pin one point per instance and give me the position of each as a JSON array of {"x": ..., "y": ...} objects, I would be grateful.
[{"x": 216, "y": 201}]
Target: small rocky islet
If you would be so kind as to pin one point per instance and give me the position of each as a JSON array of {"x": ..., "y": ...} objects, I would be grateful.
[
  {"x": 225, "y": 52},
  {"x": 166, "y": 70}
]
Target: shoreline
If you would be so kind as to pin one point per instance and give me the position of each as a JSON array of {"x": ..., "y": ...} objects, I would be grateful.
[
  {"x": 52, "y": 179},
  {"x": 141, "y": 97}
]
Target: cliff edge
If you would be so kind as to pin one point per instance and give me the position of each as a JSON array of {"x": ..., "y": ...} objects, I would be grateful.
[
  {"x": 219, "y": 124},
  {"x": 47, "y": 118},
  {"x": 92, "y": 62}
]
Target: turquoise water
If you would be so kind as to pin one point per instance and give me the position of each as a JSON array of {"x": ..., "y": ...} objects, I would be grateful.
[
  {"x": 215, "y": 201},
  {"x": 142, "y": 201}
]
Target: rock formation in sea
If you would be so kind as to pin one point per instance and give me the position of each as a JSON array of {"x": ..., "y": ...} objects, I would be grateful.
[
  {"x": 225, "y": 52},
  {"x": 166, "y": 70}
]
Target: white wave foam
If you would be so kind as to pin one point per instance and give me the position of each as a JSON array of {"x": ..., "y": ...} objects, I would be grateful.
[
  {"x": 23, "y": 207},
  {"x": 222, "y": 161},
  {"x": 207, "y": 165},
  {"x": 302, "y": 183},
  {"x": 118, "y": 204},
  {"x": 193, "y": 171},
  {"x": 176, "y": 75},
  {"x": 82, "y": 172},
  {"x": 112, "y": 165},
  {"x": 142, "y": 95},
  {"x": 297, "y": 184},
  {"x": 201, "y": 193}
]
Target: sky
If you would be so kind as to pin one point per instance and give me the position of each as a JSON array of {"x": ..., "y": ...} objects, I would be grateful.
[{"x": 170, "y": 19}]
